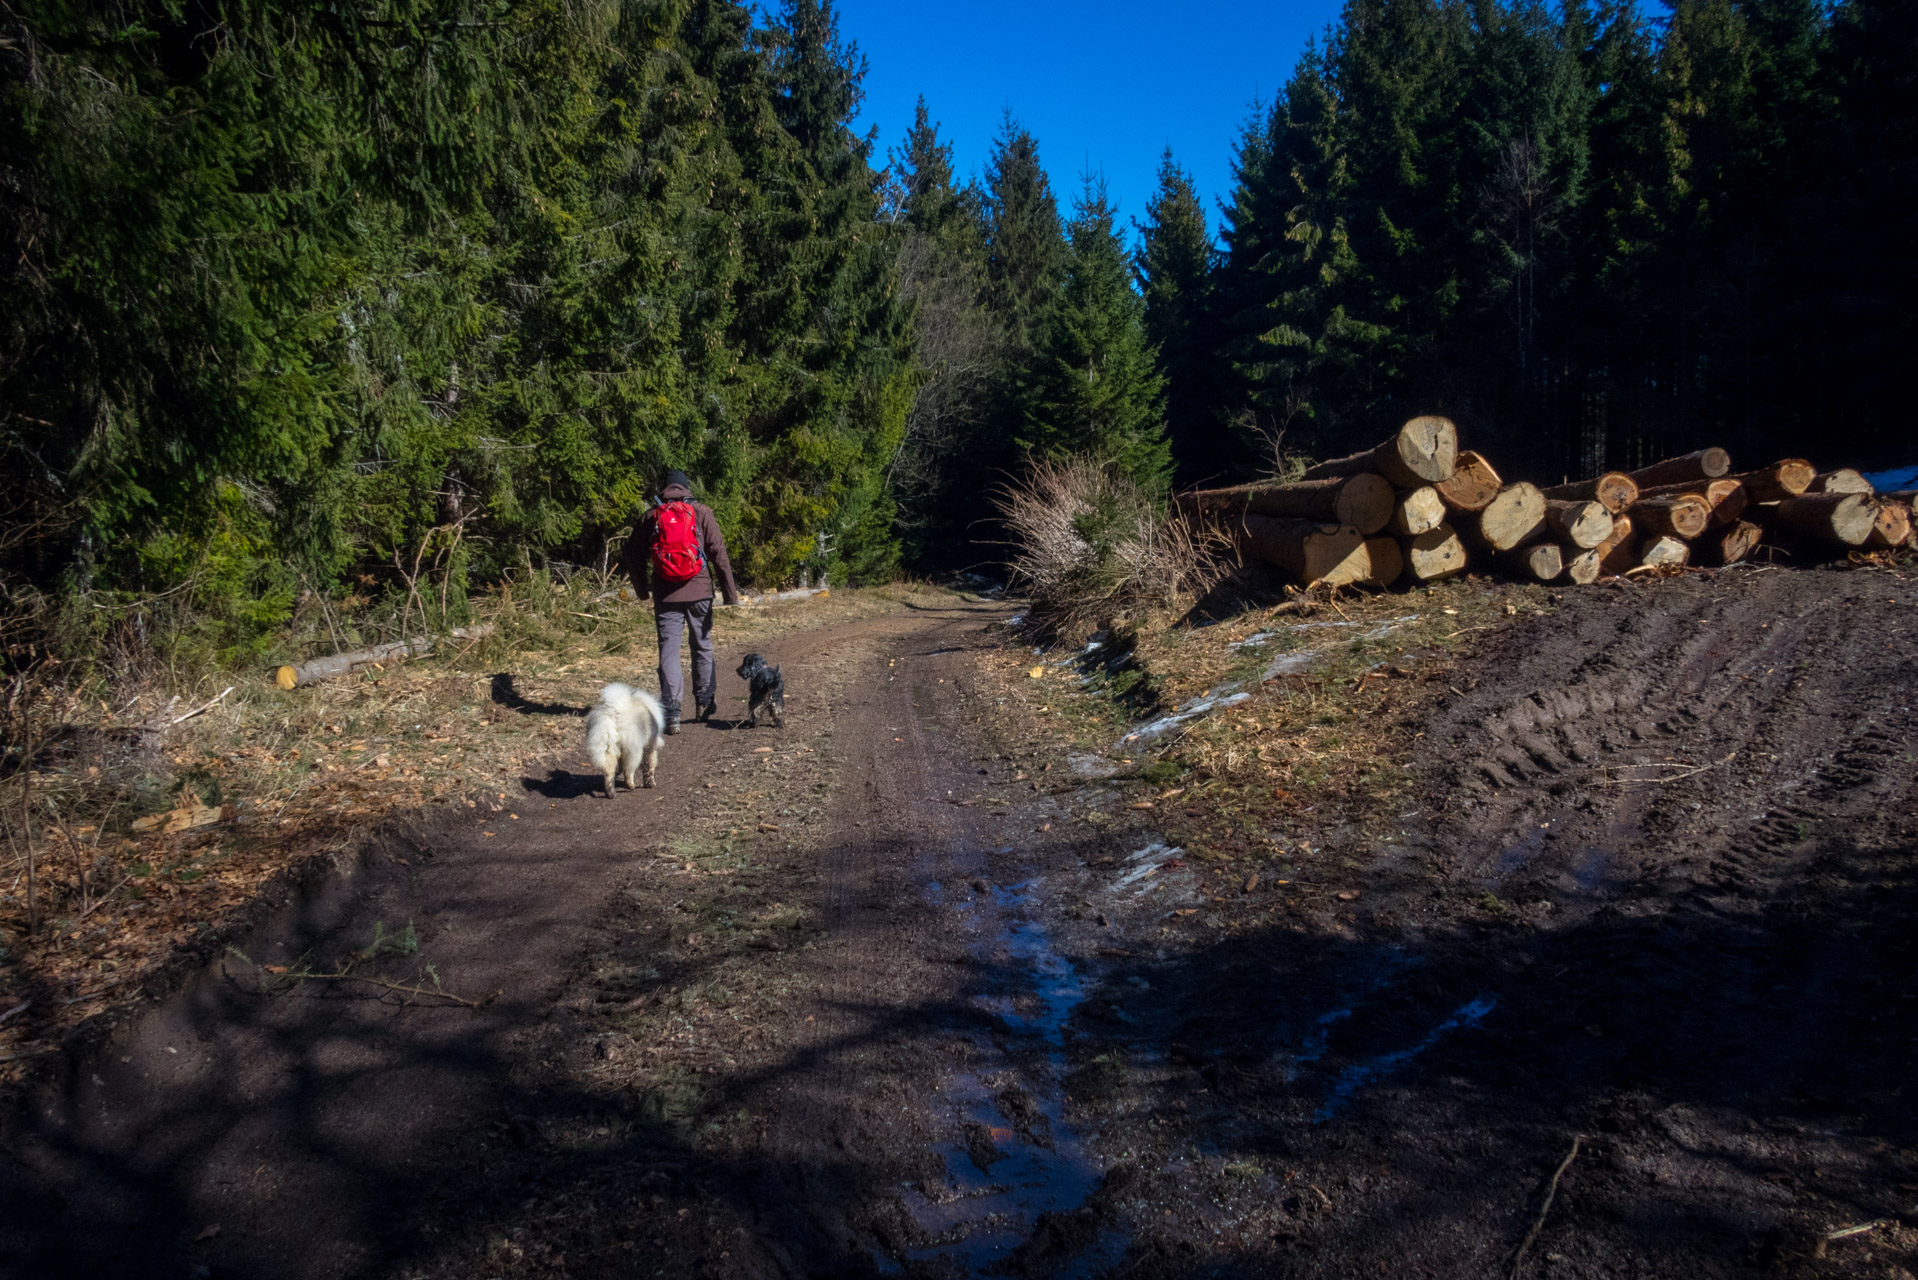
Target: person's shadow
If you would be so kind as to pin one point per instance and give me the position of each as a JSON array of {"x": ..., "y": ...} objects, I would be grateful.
[{"x": 509, "y": 697}]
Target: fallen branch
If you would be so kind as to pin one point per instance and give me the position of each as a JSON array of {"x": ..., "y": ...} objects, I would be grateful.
[
  {"x": 1689, "y": 770},
  {"x": 294, "y": 675},
  {"x": 401, "y": 987},
  {"x": 200, "y": 710},
  {"x": 16, "y": 1011},
  {"x": 1846, "y": 1233},
  {"x": 1551, "y": 1193}
]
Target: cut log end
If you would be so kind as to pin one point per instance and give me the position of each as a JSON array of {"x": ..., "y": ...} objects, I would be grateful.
[
  {"x": 1665, "y": 552},
  {"x": 1583, "y": 524},
  {"x": 1423, "y": 451},
  {"x": 1434, "y": 554},
  {"x": 1614, "y": 490},
  {"x": 1417, "y": 512},
  {"x": 1515, "y": 517},
  {"x": 1843, "y": 480},
  {"x": 287, "y": 677},
  {"x": 1683, "y": 515},
  {"x": 1473, "y": 484}
]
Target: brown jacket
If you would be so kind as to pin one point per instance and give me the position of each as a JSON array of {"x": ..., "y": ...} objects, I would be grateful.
[{"x": 637, "y": 559}]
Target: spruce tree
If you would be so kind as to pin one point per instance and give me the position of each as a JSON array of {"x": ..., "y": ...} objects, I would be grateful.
[
  {"x": 1025, "y": 248},
  {"x": 1173, "y": 265},
  {"x": 1092, "y": 384}
]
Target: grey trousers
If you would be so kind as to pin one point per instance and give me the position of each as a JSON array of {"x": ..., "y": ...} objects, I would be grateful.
[{"x": 694, "y": 621}]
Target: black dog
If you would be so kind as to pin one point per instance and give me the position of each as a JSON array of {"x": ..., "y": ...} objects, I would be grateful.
[{"x": 768, "y": 691}]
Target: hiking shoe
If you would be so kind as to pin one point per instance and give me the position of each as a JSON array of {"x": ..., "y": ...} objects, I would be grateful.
[{"x": 672, "y": 725}]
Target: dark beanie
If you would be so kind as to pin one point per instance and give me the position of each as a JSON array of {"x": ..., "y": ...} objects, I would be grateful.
[{"x": 677, "y": 478}]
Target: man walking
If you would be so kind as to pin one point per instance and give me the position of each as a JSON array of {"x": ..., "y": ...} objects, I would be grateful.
[{"x": 675, "y": 549}]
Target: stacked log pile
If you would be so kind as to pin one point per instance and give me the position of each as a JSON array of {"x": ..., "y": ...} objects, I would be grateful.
[{"x": 1418, "y": 508}]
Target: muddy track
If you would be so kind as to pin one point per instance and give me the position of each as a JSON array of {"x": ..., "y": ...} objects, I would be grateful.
[{"x": 887, "y": 999}]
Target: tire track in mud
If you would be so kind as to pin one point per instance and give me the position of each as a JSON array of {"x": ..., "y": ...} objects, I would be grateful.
[{"x": 933, "y": 1045}]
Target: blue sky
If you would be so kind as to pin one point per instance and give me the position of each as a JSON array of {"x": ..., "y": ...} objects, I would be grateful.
[{"x": 1101, "y": 85}]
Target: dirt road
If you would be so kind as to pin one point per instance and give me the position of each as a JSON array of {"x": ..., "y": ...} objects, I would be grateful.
[{"x": 917, "y": 991}]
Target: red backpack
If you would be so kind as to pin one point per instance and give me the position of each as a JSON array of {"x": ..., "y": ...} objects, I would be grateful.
[{"x": 677, "y": 553}]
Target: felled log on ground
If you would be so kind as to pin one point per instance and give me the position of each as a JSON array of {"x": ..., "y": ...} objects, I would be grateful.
[
  {"x": 1541, "y": 561},
  {"x": 1584, "y": 523},
  {"x": 1620, "y": 551},
  {"x": 1514, "y": 518},
  {"x": 1683, "y": 515},
  {"x": 1730, "y": 545},
  {"x": 1384, "y": 562},
  {"x": 1843, "y": 480},
  {"x": 1892, "y": 528},
  {"x": 1614, "y": 490},
  {"x": 1309, "y": 550},
  {"x": 295, "y": 675},
  {"x": 1706, "y": 464},
  {"x": 1907, "y": 496},
  {"x": 1434, "y": 554},
  {"x": 1844, "y": 518},
  {"x": 1582, "y": 568},
  {"x": 1786, "y": 478},
  {"x": 1605, "y": 559},
  {"x": 1423, "y": 451},
  {"x": 1418, "y": 510},
  {"x": 1472, "y": 485},
  {"x": 1364, "y": 501},
  {"x": 1725, "y": 499},
  {"x": 1663, "y": 552}
]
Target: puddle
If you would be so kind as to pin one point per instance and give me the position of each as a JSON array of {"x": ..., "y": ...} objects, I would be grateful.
[
  {"x": 1013, "y": 1156},
  {"x": 1357, "y": 1076}
]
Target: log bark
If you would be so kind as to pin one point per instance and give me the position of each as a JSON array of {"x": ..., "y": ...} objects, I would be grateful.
[
  {"x": 1684, "y": 515},
  {"x": 295, "y": 675},
  {"x": 1615, "y": 490},
  {"x": 1364, "y": 501},
  {"x": 1620, "y": 551},
  {"x": 1419, "y": 510},
  {"x": 1541, "y": 561},
  {"x": 1729, "y": 546},
  {"x": 1726, "y": 498},
  {"x": 1665, "y": 552},
  {"x": 1434, "y": 554},
  {"x": 1907, "y": 496},
  {"x": 1423, "y": 451},
  {"x": 1706, "y": 464},
  {"x": 1843, "y": 480},
  {"x": 1844, "y": 518},
  {"x": 1308, "y": 550},
  {"x": 1582, "y": 523},
  {"x": 1786, "y": 478},
  {"x": 1514, "y": 518},
  {"x": 1892, "y": 528},
  {"x": 1473, "y": 484},
  {"x": 1384, "y": 562}
]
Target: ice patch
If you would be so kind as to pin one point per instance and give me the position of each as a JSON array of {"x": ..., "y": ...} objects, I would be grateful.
[
  {"x": 1091, "y": 766},
  {"x": 1357, "y": 1076},
  {"x": 1147, "y": 862},
  {"x": 1156, "y": 729}
]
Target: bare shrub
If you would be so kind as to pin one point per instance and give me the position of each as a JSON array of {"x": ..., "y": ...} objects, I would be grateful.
[{"x": 1090, "y": 545}]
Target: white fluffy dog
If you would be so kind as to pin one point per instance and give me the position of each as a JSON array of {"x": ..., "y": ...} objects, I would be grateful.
[{"x": 622, "y": 735}]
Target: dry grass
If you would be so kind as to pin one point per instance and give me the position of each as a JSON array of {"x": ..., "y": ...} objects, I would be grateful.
[
  {"x": 1089, "y": 547},
  {"x": 276, "y": 778}
]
